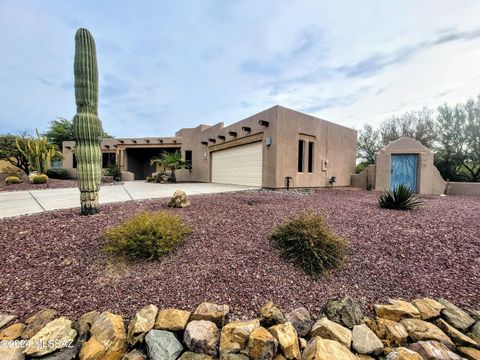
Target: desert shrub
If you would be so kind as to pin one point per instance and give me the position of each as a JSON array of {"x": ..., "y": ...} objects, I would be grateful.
[
  {"x": 148, "y": 235},
  {"x": 12, "y": 179},
  {"x": 401, "y": 198},
  {"x": 114, "y": 171},
  {"x": 308, "y": 241},
  {"x": 39, "y": 179},
  {"x": 149, "y": 179},
  {"x": 57, "y": 173}
]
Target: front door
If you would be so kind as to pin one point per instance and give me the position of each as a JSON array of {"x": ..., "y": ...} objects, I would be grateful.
[{"x": 404, "y": 171}]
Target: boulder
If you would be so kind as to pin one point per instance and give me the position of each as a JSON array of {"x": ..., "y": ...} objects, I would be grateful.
[
  {"x": 325, "y": 349},
  {"x": 57, "y": 334},
  {"x": 397, "y": 310},
  {"x": 433, "y": 350},
  {"x": 262, "y": 345},
  {"x": 428, "y": 308},
  {"x": 194, "y": 356},
  {"x": 162, "y": 345},
  {"x": 390, "y": 332},
  {"x": 5, "y": 319},
  {"x": 234, "y": 336},
  {"x": 301, "y": 321},
  {"x": 141, "y": 324},
  {"x": 328, "y": 329},
  {"x": 420, "y": 330},
  {"x": 455, "y": 316},
  {"x": 135, "y": 355},
  {"x": 287, "y": 338},
  {"x": 344, "y": 311},
  {"x": 12, "y": 332},
  {"x": 458, "y": 337},
  {"x": 172, "y": 319},
  {"x": 179, "y": 200},
  {"x": 364, "y": 340},
  {"x": 402, "y": 353},
  {"x": 270, "y": 315},
  {"x": 211, "y": 312},
  {"x": 84, "y": 323},
  {"x": 469, "y": 353},
  {"x": 202, "y": 336},
  {"x": 108, "y": 338},
  {"x": 11, "y": 353},
  {"x": 38, "y": 321},
  {"x": 475, "y": 332}
]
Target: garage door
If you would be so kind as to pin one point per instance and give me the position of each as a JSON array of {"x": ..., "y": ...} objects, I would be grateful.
[{"x": 240, "y": 165}]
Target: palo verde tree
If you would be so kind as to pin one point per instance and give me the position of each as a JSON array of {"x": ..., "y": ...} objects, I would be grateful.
[
  {"x": 38, "y": 152},
  {"x": 9, "y": 151},
  {"x": 86, "y": 124}
]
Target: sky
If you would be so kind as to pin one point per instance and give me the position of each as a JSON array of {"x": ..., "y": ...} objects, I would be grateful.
[{"x": 165, "y": 65}]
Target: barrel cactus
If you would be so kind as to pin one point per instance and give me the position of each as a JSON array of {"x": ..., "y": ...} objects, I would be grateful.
[{"x": 86, "y": 124}]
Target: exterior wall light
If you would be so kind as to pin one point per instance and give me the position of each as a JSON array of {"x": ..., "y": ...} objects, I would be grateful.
[{"x": 268, "y": 141}]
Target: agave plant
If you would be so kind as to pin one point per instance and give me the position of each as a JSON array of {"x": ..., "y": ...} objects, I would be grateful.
[
  {"x": 401, "y": 197},
  {"x": 172, "y": 162}
]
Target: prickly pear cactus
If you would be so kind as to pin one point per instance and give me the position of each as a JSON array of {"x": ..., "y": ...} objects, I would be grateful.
[{"x": 87, "y": 126}]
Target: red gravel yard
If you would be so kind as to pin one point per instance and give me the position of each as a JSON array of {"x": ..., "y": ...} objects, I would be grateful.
[{"x": 55, "y": 259}]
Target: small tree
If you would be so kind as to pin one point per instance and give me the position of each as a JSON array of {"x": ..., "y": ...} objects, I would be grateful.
[
  {"x": 172, "y": 162},
  {"x": 38, "y": 152},
  {"x": 368, "y": 144},
  {"x": 10, "y": 152}
]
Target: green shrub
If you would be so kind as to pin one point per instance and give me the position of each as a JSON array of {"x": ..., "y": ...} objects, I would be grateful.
[
  {"x": 57, "y": 173},
  {"x": 114, "y": 171},
  {"x": 149, "y": 179},
  {"x": 39, "y": 179},
  {"x": 401, "y": 198},
  {"x": 147, "y": 235},
  {"x": 12, "y": 179},
  {"x": 308, "y": 242}
]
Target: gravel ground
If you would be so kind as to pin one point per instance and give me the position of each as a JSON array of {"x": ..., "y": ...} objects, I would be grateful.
[
  {"x": 51, "y": 184},
  {"x": 55, "y": 259}
]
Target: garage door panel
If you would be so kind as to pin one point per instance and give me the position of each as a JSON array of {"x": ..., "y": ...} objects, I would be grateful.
[{"x": 241, "y": 165}]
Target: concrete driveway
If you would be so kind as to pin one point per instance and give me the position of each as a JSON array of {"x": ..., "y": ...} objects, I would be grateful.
[{"x": 16, "y": 203}]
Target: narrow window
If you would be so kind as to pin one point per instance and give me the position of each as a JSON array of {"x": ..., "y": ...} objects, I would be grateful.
[
  {"x": 301, "y": 151},
  {"x": 74, "y": 165},
  {"x": 188, "y": 157},
  {"x": 311, "y": 150}
]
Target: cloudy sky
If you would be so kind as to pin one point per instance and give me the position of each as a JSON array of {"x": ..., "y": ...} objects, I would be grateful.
[{"x": 165, "y": 65}]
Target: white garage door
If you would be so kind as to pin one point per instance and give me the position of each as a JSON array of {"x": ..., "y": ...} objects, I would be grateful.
[{"x": 240, "y": 165}]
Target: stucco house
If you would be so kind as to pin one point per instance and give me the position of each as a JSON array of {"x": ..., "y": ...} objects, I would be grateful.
[{"x": 269, "y": 149}]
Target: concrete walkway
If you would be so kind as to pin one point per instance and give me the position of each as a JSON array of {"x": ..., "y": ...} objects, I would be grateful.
[{"x": 16, "y": 203}]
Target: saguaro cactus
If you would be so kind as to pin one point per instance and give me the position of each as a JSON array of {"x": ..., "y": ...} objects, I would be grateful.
[{"x": 86, "y": 124}]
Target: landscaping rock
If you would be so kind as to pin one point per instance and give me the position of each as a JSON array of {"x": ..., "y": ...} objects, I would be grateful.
[
  {"x": 57, "y": 334},
  {"x": 84, "y": 323},
  {"x": 475, "y": 332},
  {"x": 364, "y": 340},
  {"x": 271, "y": 315},
  {"x": 303, "y": 343},
  {"x": 10, "y": 353},
  {"x": 234, "y": 335},
  {"x": 344, "y": 311},
  {"x": 402, "y": 353},
  {"x": 287, "y": 338},
  {"x": 469, "y": 353},
  {"x": 194, "y": 356},
  {"x": 142, "y": 323},
  {"x": 179, "y": 200},
  {"x": 12, "y": 332},
  {"x": 202, "y": 336},
  {"x": 433, "y": 350},
  {"x": 390, "y": 332},
  {"x": 172, "y": 319},
  {"x": 135, "y": 355},
  {"x": 211, "y": 312},
  {"x": 458, "y": 337},
  {"x": 420, "y": 330},
  {"x": 428, "y": 308},
  {"x": 69, "y": 353},
  {"x": 38, "y": 321},
  {"x": 301, "y": 320},
  {"x": 262, "y": 345},
  {"x": 397, "y": 310},
  {"x": 5, "y": 319},
  {"x": 456, "y": 316},
  {"x": 108, "y": 338},
  {"x": 163, "y": 345},
  {"x": 327, "y": 329},
  {"x": 234, "y": 357},
  {"x": 325, "y": 349}
]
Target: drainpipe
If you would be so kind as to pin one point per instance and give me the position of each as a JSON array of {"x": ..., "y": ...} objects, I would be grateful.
[{"x": 287, "y": 182}]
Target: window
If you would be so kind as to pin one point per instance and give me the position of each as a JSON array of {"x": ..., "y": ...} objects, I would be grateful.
[
  {"x": 74, "y": 165},
  {"x": 188, "y": 157},
  {"x": 301, "y": 151},
  {"x": 311, "y": 151},
  {"x": 108, "y": 159}
]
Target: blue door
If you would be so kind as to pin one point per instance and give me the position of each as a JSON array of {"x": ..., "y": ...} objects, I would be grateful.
[{"x": 404, "y": 171}]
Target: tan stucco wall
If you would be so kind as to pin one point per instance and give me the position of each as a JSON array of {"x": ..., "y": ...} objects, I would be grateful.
[
  {"x": 463, "y": 188},
  {"x": 365, "y": 179},
  {"x": 429, "y": 180}
]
